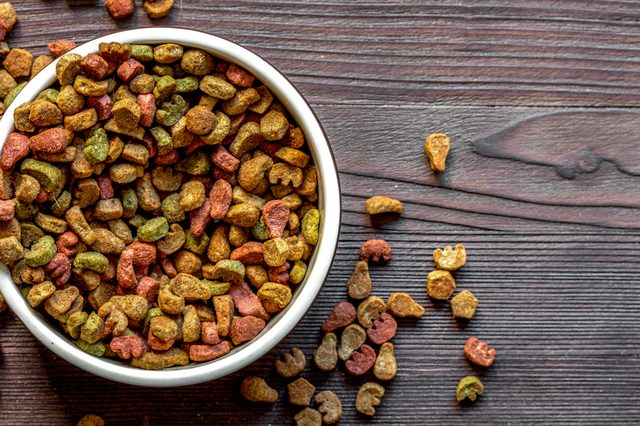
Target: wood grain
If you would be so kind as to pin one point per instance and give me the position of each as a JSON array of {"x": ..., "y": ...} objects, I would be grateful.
[{"x": 542, "y": 187}]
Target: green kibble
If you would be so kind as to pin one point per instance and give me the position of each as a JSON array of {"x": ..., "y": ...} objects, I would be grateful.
[
  {"x": 230, "y": 270},
  {"x": 137, "y": 221},
  {"x": 95, "y": 349},
  {"x": 13, "y": 94},
  {"x": 297, "y": 272},
  {"x": 48, "y": 175},
  {"x": 93, "y": 329},
  {"x": 196, "y": 245},
  {"x": 153, "y": 230},
  {"x": 195, "y": 164},
  {"x": 163, "y": 140},
  {"x": 61, "y": 204},
  {"x": 310, "y": 225},
  {"x": 165, "y": 87},
  {"x": 91, "y": 260},
  {"x": 187, "y": 84},
  {"x": 25, "y": 212},
  {"x": 469, "y": 387},
  {"x": 41, "y": 252},
  {"x": 49, "y": 95},
  {"x": 171, "y": 112},
  {"x": 259, "y": 231},
  {"x": 142, "y": 52},
  {"x": 129, "y": 203},
  {"x": 96, "y": 148},
  {"x": 151, "y": 313},
  {"x": 218, "y": 288},
  {"x": 40, "y": 292},
  {"x": 171, "y": 208},
  {"x": 74, "y": 323}
]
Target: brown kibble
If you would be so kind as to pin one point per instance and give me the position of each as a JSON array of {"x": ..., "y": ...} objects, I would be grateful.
[
  {"x": 386, "y": 366},
  {"x": 308, "y": 417},
  {"x": 330, "y": 406},
  {"x": 380, "y": 204},
  {"x": 274, "y": 297},
  {"x": 383, "y": 329},
  {"x": 300, "y": 392},
  {"x": 224, "y": 308},
  {"x": 440, "y": 285},
  {"x": 376, "y": 251},
  {"x": 352, "y": 339},
  {"x": 449, "y": 258},
  {"x": 292, "y": 364},
  {"x": 359, "y": 286},
  {"x": 91, "y": 420},
  {"x": 326, "y": 355},
  {"x": 369, "y": 396},
  {"x": 436, "y": 146},
  {"x": 343, "y": 314},
  {"x": 361, "y": 361},
  {"x": 370, "y": 310},
  {"x": 479, "y": 353},
  {"x": 8, "y": 15},
  {"x": 200, "y": 120},
  {"x": 402, "y": 305},
  {"x": 255, "y": 389},
  {"x": 119, "y": 9},
  {"x": 39, "y": 63}
]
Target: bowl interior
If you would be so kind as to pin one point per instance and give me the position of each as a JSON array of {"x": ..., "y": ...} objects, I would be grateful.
[{"x": 319, "y": 264}]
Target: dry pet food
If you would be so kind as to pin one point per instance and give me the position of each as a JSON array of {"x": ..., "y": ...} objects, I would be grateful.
[
  {"x": 469, "y": 387},
  {"x": 375, "y": 251},
  {"x": 386, "y": 366},
  {"x": 91, "y": 420},
  {"x": 436, "y": 146},
  {"x": 479, "y": 353},
  {"x": 464, "y": 305},
  {"x": 369, "y": 397},
  {"x": 440, "y": 285},
  {"x": 343, "y": 314},
  {"x": 300, "y": 392},
  {"x": 255, "y": 389},
  {"x": 326, "y": 355},
  {"x": 154, "y": 183},
  {"x": 379, "y": 204},
  {"x": 450, "y": 258},
  {"x": 352, "y": 339},
  {"x": 308, "y": 417},
  {"x": 292, "y": 364},
  {"x": 330, "y": 406},
  {"x": 402, "y": 305},
  {"x": 359, "y": 286}
]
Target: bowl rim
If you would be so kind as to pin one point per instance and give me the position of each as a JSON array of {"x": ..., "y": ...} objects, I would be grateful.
[{"x": 330, "y": 205}]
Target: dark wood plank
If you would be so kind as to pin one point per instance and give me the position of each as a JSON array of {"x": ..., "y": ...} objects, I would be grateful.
[{"x": 552, "y": 239}]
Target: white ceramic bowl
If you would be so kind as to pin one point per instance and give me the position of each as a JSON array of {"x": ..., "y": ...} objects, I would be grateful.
[{"x": 329, "y": 205}]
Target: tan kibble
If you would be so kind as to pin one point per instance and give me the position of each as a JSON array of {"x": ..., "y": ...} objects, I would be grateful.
[
  {"x": 300, "y": 392},
  {"x": 359, "y": 285},
  {"x": 379, "y": 204},
  {"x": 200, "y": 120},
  {"x": 440, "y": 285},
  {"x": 436, "y": 147},
  {"x": 450, "y": 258},
  {"x": 18, "y": 63},
  {"x": 369, "y": 396},
  {"x": 402, "y": 305},
  {"x": 370, "y": 310},
  {"x": 464, "y": 305},
  {"x": 255, "y": 389}
]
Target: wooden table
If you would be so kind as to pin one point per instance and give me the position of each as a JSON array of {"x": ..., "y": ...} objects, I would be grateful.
[{"x": 540, "y": 99}]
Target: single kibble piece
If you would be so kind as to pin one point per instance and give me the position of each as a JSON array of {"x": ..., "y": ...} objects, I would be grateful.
[
  {"x": 343, "y": 314},
  {"x": 436, "y": 146},
  {"x": 300, "y": 392},
  {"x": 379, "y": 204},
  {"x": 119, "y": 9},
  {"x": 368, "y": 398},
  {"x": 352, "y": 339},
  {"x": 386, "y": 366},
  {"x": 464, "y": 305},
  {"x": 479, "y": 353},
  {"x": 157, "y": 9},
  {"x": 91, "y": 420},
  {"x": 359, "y": 285},
  {"x": 440, "y": 285},
  {"x": 469, "y": 387},
  {"x": 370, "y": 310},
  {"x": 255, "y": 389},
  {"x": 326, "y": 355},
  {"x": 330, "y": 406},
  {"x": 292, "y": 364},
  {"x": 402, "y": 305},
  {"x": 375, "y": 251},
  {"x": 308, "y": 417},
  {"x": 450, "y": 258}
]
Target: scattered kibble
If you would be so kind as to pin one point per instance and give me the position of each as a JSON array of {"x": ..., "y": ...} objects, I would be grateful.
[
  {"x": 469, "y": 387},
  {"x": 359, "y": 286},
  {"x": 326, "y": 355},
  {"x": 330, "y": 406},
  {"x": 464, "y": 305},
  {"x": 379, "y": 204},
  {"x": 293, "y": 363},
  {"x": 386, "y": 366},
  {"x": 440, "y": 285},
  {"x": 450, "y": 258},
  {"x": 255, "y": 389},
  {"x": 402, "y": 305},
  {"x": 300, "y": 392},
  {"x": 436, "y": 146},
  {"x": 479, "y": 353},
  {"x": 369, "y": 397},
  {"x": 308, "y": 417},
  {"x": 91, "y": 420}
]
